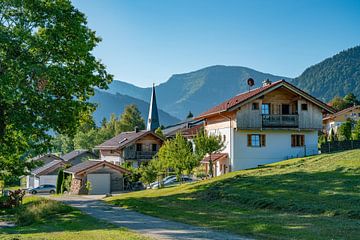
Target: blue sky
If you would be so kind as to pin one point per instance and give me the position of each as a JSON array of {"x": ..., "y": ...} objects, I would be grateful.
[{"x": 147, "y": 41}]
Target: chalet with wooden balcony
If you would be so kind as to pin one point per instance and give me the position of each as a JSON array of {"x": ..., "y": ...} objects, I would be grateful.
[
  {"x": 271, "y": 123},
  {"x": 133, "y": 147}
]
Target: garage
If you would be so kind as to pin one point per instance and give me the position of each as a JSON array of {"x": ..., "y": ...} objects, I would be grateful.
[
  {"x": 100, "y": 183},
  {"x": 48, "y": 179},
  {"x": 102, "y": 176}
]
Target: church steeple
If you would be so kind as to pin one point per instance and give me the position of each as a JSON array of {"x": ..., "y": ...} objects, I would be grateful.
[{"x": 153, "y": 119}]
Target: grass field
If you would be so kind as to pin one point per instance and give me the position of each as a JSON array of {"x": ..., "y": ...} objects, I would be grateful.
[
  {"x": 307, "y": 198},
  {"x": 46, "y": 219}
]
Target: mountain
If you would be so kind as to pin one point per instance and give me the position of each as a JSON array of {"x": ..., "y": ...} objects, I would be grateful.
[
  {"x": 335, "y": 76},
  {"x": 115, "y": 103},
  {"x": 197, "y": 91}
]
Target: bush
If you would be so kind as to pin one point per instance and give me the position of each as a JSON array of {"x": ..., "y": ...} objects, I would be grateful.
[{"x": 37, "y": 210}]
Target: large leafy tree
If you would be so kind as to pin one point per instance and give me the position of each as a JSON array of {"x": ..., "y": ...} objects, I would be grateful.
[{"x": 47, "y": 72}]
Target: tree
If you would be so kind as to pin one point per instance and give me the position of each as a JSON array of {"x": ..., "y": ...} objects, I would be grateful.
[
  {"x": 338, "y": 103},
  {"x": 356, "y": 132},
  {"x": 103, "y": 122},
  {"x": 177, "y": 154},
  {"x": 159, "y": 132},
  {"x": 207, "y": 145},
  {"x": 148, "y": 172},
  {"x": 332, "y": 136},
  {"x": 59, "y": 181},
  {"x": 129, "y": 119},
  {"x": 62, "y": 144},
  {"x": 190, "y": 115},
  {"x": 351, "y": 100},
  {"x": 47, "y": 74},
  {"x": 344, "y": 131}
]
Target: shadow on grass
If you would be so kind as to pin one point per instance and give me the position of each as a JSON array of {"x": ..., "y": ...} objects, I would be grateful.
[{"x": 291, "y": 204}]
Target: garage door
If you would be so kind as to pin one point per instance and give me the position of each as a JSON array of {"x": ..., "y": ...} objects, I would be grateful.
[
  {"x": 48, "y": 179},
  {"x": 100, "y": 183}
]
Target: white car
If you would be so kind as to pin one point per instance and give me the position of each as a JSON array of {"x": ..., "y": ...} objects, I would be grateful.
[
  {"x": 156, "y": 184},
  {"x": 173, "y": 181}
]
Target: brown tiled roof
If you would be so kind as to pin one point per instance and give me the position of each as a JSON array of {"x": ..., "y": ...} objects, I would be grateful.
[
  {"x": 346, "y": 110},
  {"x": 123, "y": 139},
  {"x": 214, "y": 157},
  {"x": 91, "y": 164},
  {"x": 240, "y": 98}
]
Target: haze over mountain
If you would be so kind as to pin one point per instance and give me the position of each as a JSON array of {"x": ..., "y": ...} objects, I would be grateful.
[
  {"x": 335, "y": 76},
  {"x": 196, "y": 91},
  {"x": 116, "y": 103}
]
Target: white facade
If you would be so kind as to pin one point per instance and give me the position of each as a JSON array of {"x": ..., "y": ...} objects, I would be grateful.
[{"x": 277, "y": 148}]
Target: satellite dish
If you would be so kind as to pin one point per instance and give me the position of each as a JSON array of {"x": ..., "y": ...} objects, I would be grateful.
[{"x": 250, "y": 82}]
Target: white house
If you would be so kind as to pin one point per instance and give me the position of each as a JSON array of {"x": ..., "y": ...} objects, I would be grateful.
[{"x": 274, "y": 122}]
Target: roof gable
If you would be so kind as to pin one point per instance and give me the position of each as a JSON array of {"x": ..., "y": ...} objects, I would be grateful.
[
  {"x": 51, "y": 166},
  {"x": 92, "y": 165},
  {"x": 124, "y": 139},
  {"x": 246, "y": 97}
]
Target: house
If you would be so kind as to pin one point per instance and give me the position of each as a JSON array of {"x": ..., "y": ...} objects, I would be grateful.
[
  {"x": 271, "y": 123},
  {"x": 133, "y": 147},
  {"x": 188, "y": 128},
  {"x": 46, "y": 158},
  {"x": 332, "y": 122},
  {"x": 104, "y": 177},
  {"x": 78, "y": 156},
  {"x": 46, "y": 174},
  {"x": 137, "y": 146}
]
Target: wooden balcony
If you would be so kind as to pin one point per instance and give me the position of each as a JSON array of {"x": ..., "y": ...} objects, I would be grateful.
[
  {"x": 280, "y": 121},
  {"x": 139, "y": 155}
]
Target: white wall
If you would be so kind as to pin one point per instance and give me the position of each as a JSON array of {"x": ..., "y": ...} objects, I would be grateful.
[
  {"x": 278, "y": 147},
  {"x": 112, "y": 158}
]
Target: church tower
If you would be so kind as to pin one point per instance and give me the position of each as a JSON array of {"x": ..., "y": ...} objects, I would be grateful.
[{"x": 153, "y": 119}]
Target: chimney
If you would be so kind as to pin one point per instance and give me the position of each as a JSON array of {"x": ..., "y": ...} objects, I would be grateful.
[
  {"x": 266, "y": 82},
  {"x": 136, "y": 129}
]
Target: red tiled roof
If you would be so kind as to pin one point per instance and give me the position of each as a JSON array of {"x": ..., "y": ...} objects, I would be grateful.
[
  {"x": 214, "y": 157},
  {"x": 240, "y": 98},
  {"x": 237, "y": 99}
]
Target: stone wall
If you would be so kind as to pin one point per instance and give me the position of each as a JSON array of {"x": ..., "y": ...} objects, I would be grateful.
[{"x": 77, "y": 187}]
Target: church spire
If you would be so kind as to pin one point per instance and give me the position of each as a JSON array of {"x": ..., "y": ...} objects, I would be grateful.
[{"x": 153, "y": 119}]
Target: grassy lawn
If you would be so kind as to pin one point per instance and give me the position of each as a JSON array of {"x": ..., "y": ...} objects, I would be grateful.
[
  {"x": 46, "y": 219},
  {"x": 306, "y": 198}
]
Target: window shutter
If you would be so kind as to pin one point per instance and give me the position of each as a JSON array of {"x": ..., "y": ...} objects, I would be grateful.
[
  {"x": 263, "y": 140},
  {"x": 249, "y": 140},
  {"x": 293, "y": 140}
]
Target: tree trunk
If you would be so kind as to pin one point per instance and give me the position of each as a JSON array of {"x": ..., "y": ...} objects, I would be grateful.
[{"x": 211, "y": 170}]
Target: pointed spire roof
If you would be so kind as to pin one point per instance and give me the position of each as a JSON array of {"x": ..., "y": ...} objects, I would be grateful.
[{"x": 153, "y": 119}]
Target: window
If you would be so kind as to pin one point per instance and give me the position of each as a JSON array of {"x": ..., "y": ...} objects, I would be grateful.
[
  {"x": 304, "y": 107},
  {"x": 256, "y": 140},
  {"x": 224, "y": 137},
  {"x": 154, "y": 148},
  {"x": 285, "y": 109},
  {"x": 297, "y": 140},
  {"x": 265, "y": 108},
  {"x": 138, "y": 147},
  {"x": 255, "y": 106}
]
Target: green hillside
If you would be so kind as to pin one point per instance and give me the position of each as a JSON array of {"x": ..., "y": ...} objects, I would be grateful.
[
  {"x": 306, "y": 198},
  {"x": 196, "y": 91},
  {"x": 335, "y": 76}
]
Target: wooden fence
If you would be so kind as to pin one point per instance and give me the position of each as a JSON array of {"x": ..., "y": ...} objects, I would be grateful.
[{"x": 336, "y": 146}]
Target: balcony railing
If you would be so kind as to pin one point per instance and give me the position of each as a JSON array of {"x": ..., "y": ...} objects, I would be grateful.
[
  {"x": 138, "y": 155},
  {"x": 280, "y": 121}
]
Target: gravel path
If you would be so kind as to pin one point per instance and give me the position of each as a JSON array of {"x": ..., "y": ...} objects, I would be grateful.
[{"x": 150, "y": 226}]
